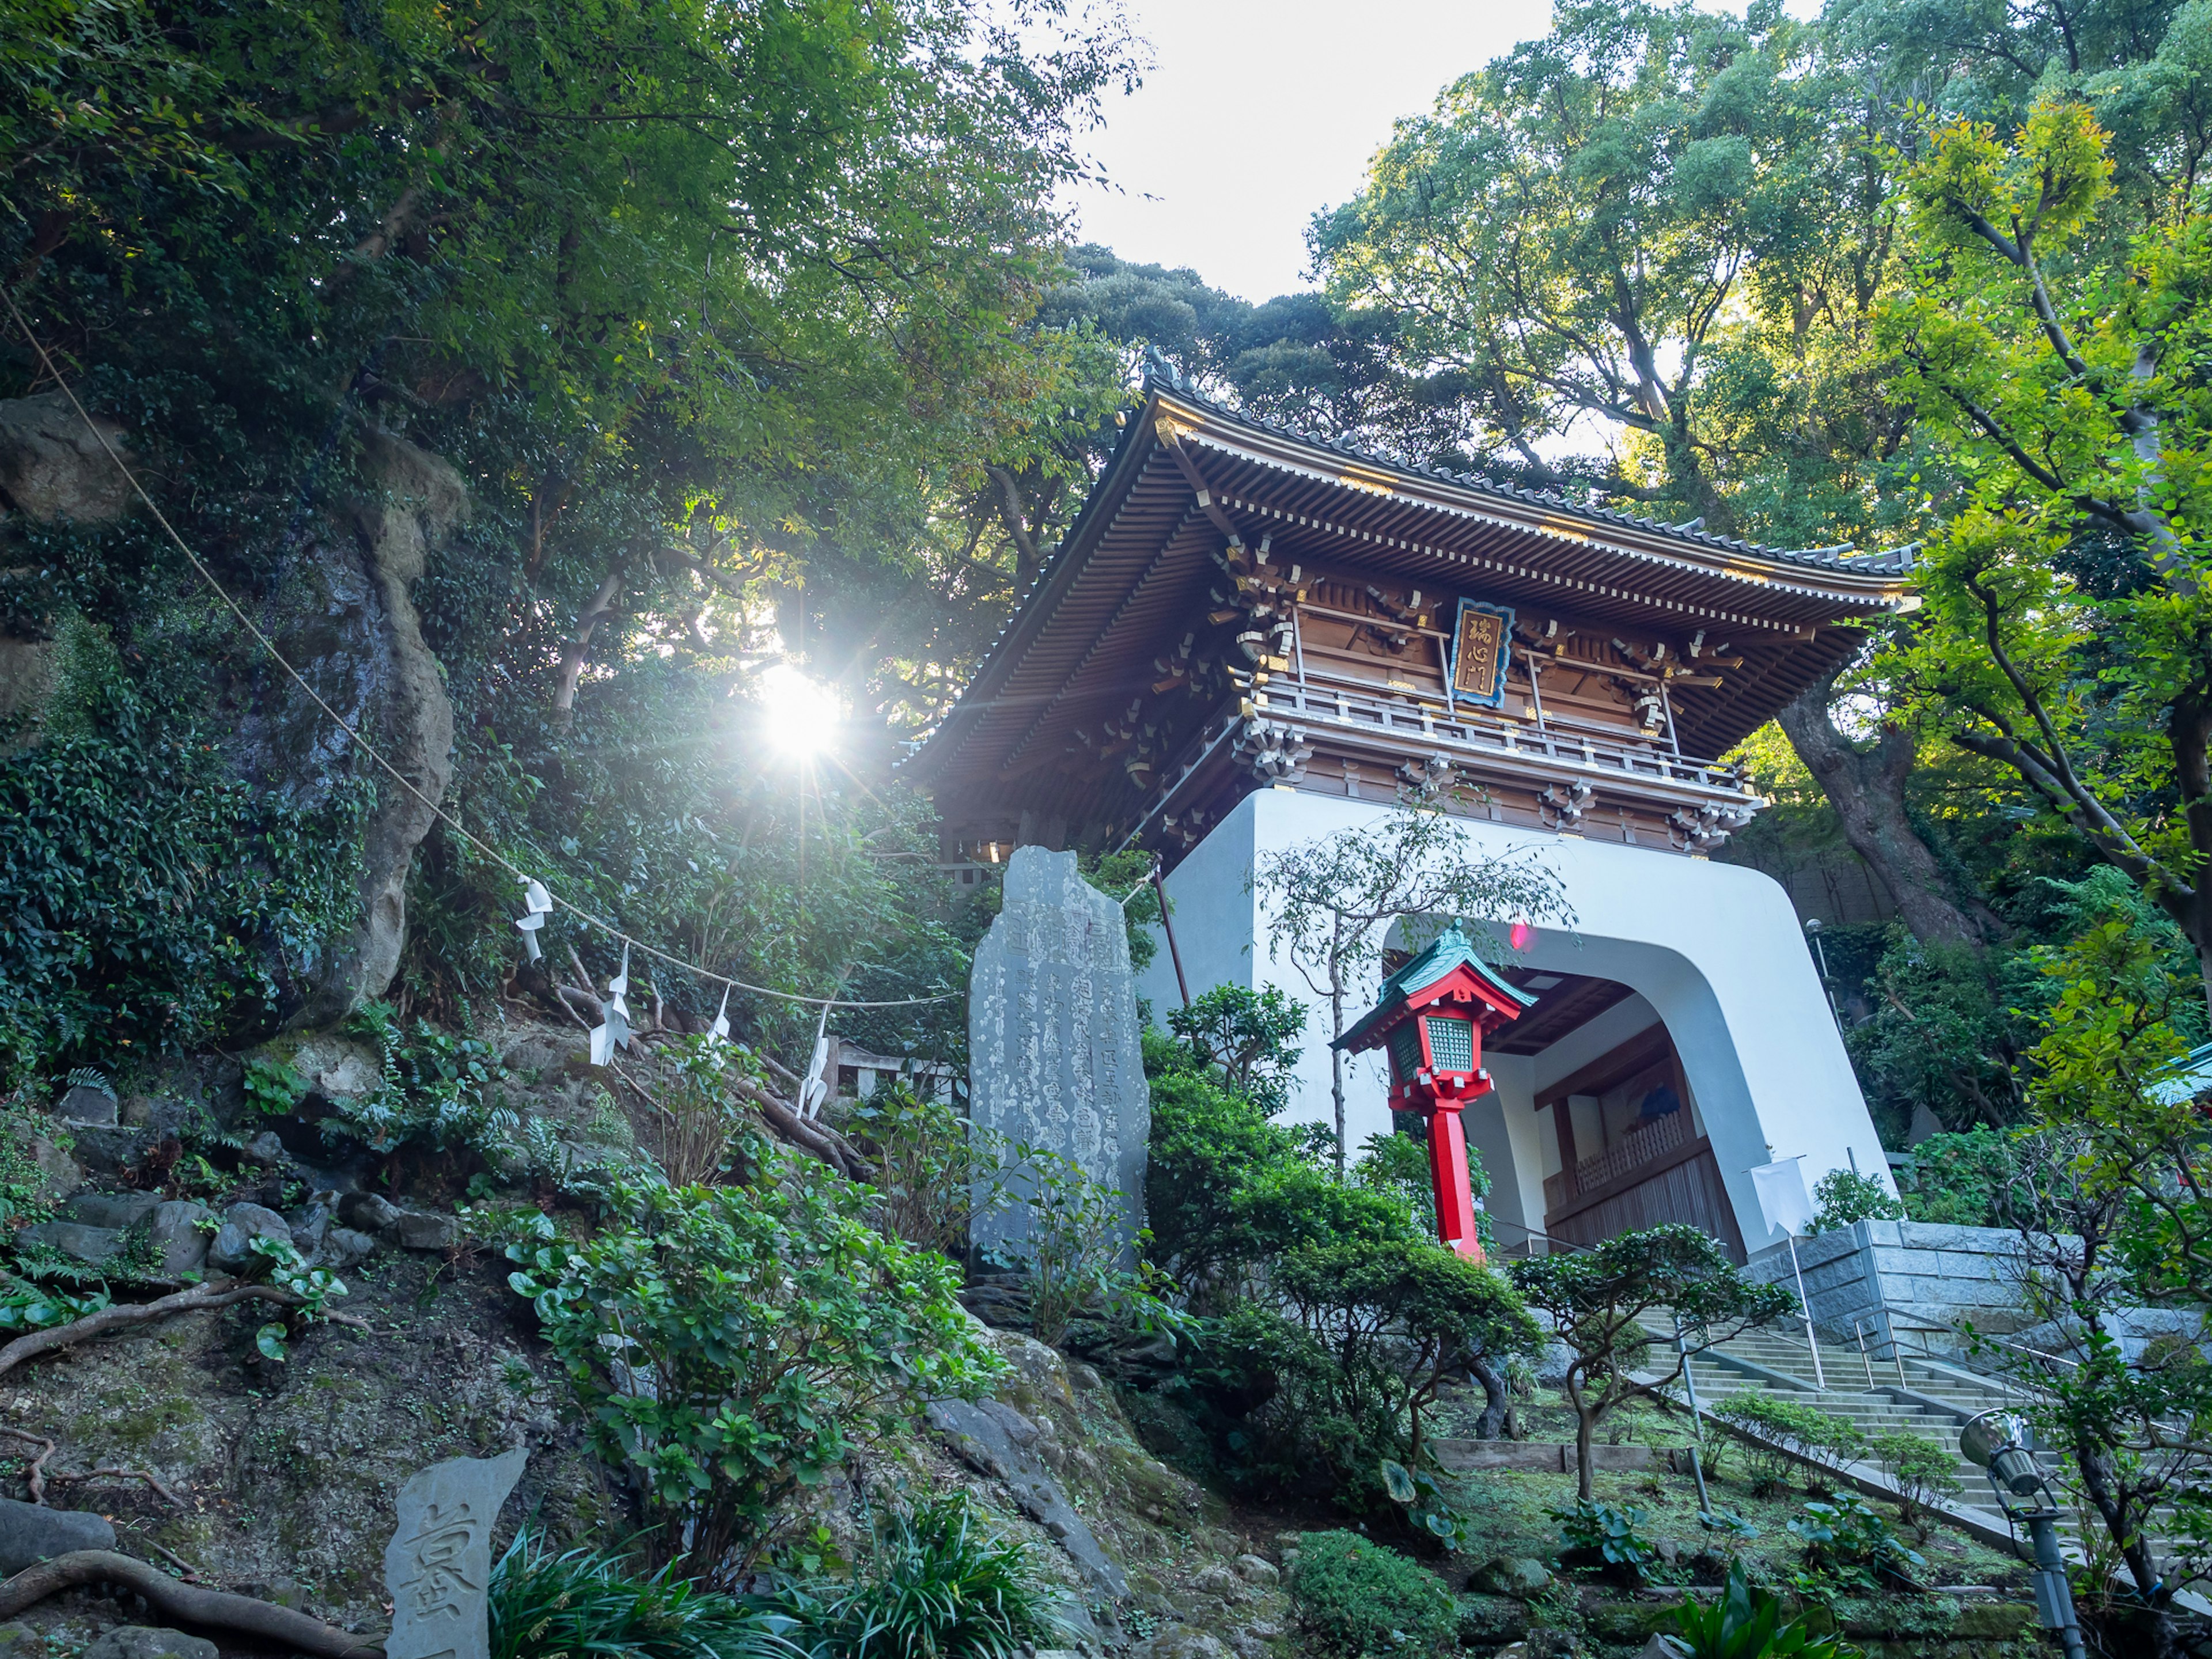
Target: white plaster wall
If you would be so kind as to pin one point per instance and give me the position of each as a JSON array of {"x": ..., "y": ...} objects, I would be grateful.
[{"x": 1711, "y": 949}]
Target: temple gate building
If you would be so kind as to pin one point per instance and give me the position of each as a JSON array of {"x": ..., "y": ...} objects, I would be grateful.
[{"x": 1251, "y": 639}]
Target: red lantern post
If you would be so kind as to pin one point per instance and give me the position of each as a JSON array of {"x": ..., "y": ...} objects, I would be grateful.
[{"x": 1429, "y": 1020}]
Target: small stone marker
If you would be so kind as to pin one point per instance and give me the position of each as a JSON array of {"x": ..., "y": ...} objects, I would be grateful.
[
  {"x": 1052, "y": 1035},
  {"x": 439, "y": 1564}
]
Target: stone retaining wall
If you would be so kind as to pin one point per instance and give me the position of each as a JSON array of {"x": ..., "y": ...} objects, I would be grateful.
[{"x": 1928, "y": 1275}]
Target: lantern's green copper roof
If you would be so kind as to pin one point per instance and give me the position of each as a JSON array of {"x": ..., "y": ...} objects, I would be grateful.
[{"x": 1448, "y": 950}]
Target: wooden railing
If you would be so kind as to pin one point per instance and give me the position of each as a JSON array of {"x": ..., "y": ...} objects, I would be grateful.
[
  {"x": 1406, "y": 714},
  {"x": 1647, "y": 1143}
]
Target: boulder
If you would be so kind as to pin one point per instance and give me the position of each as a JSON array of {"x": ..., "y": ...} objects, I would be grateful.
[
  {"x": 86, "y": 1105},
  {"x": 58, "y": 1175},
  {"x": 1520, "y": 1575},
  {"x": 180, "y": 1237},
  {"x": 110, "y": 1149},
  {"x": 310, "y": 1227},
  {"x": 366, "y": 1212},
  {"x": 1180, "y": 1641},
  {"x": 51, "y": 467},
  {"x": 1224, "y": 1584},
  {"x": 343, "y": 1247},
  {"x": 420, "y": 1230},
  {"x": 992, "y": 1438},
  {"x": 31, "y": 1532},
  {"x": 232, "y": 1251},
  {"x": 91, "y": 1245},
  {"x": 1257, "y": 1569},
  {"x": 266, "y": 1149},
  {"x": 117, "y": 1210},
  {"x": 333, "y": 1066},
  {"x": 138, "y": 1642}
]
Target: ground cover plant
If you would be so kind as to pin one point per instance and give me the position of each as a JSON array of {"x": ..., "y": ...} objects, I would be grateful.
[{"x": 1356, "y": 1599}]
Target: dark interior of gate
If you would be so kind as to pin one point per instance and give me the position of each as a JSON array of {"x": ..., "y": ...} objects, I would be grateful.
[{"x": 1623, "y": 1140}]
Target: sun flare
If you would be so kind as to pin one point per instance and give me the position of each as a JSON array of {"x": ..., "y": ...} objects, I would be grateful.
[{"x": 801, "y": 714}]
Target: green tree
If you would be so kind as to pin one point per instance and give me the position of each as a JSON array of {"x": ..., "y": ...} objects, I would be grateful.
[
  {"x": 1598, "y": 1301},
  {"x": 1331, "y": 901},
  {"x": 2065, "y": 635},
  {"x": 2109, "y": 1192}
]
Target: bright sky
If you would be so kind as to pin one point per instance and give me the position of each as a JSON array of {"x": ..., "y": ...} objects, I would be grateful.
[{"x": 1262, "y": 111}]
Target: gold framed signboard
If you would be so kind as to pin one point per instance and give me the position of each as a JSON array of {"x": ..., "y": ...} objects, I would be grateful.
[{"x": 1480, "y": 645}]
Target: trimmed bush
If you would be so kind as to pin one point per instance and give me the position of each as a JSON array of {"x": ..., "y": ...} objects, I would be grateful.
[{"x": 1358, "y": 1600}]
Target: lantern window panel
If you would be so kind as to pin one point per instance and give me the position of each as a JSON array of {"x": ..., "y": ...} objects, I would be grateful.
[
  {"x": 1451, "y": 1043},
  {"x": 1404, "y": 1052}
]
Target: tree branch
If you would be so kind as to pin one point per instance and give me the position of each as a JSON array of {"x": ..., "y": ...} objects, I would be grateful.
[{"x": 188, "y": 1604}]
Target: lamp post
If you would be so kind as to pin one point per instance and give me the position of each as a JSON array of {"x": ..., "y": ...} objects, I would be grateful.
[
  {"x": 1429, "y": 1019},
  {"x": 1997, "y": 1442}
]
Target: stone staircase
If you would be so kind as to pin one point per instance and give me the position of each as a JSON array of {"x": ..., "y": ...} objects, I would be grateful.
[{"x": 1922, "y": 1396}]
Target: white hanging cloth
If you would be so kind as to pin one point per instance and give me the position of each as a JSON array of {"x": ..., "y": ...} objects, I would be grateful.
[{"x": 815, "y": 1088}]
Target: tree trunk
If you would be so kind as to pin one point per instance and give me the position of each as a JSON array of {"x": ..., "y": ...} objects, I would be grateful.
[
  {"x": 1585, "y": 1442},
  {"x": 1866, "y": 787},
  {"x": 1491, "y": 1424},
  {"x": 1336, "y": 1071}
]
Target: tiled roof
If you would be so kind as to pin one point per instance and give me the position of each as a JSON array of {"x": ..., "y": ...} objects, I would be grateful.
[{"x": 1162, "y": 374}]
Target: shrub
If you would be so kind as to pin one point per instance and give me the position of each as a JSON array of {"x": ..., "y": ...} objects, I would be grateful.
[
  {"x": 1598, "y": 1535},
  {"x": 435, "y": 1086},
  {"x": 1924, "y": 1472},
  {"x": 1744, "y": 1623},
  {"x": 1793, "y": 1427},
  {"x": 696, "y": 1116},
  {"x": 1206, "y": 1142},
  {"x": 732, "y": 1343},
  {"x": 1358, "y": 1600},
  {"x": 1072, "y": 1252},
  {"x": 1844, "y": 1196},
  {"x": 935, "y": 1585},
  {"x": 940, "y": 1170},
  {"x": 1961, "y": 1180},
  {"x": 1849, "y": 1546},
  {"x": 588, "y": 1603},
  {"x": 1245, "y": 1037},
  {"x": 1598, "y": 1300}
]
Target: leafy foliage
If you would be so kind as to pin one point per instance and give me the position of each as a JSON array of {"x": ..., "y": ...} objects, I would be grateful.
[
  {"x": 1961, "y": 1180},
  {"x": 731, "y": 1344},
  {"x": 1745, "y": 1622},
  {"x": 1843, "y": 1196},
  {"x": 591, "y": 1603},
  {"x": 1071, "y": 1251},
  {"x": 1849, "y": 1546},
  {"x": 1598, "y": 1299},
  {"x": 1923, "y": 1469},
  {"x": 1782, "y": 1425},
  {"x": 1359, "y": 1601},
  {"x": 155, "y": 901},
  {"x": 434, "y": 1086},
  {"x": 1246, "y": 1036},
  {"x": 2062, "y": 638},
  {"x": 1607, "y": 1537},
  {"x": 940, "y": 1170},
  {"x": 934, "y": 1584}
]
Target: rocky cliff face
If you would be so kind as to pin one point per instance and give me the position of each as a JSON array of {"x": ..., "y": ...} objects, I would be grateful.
[
  {"x": 281, "y": 1479},
  {"x": 340, "y": 610}
]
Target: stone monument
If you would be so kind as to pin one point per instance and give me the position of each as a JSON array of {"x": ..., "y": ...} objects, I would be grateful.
[
  {"x": 1053, "y": 1054},
  {"x": 438, "y": 1565}
]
